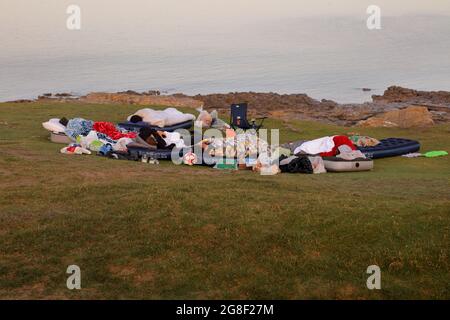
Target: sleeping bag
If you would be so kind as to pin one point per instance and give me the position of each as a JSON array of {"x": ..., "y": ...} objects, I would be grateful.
[{"x": 162, "y": 118}]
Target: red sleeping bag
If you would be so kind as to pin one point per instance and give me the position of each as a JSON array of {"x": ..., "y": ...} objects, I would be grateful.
[
  {"x": 111, "y": 131},
  {"x": 338, "y": 141}
]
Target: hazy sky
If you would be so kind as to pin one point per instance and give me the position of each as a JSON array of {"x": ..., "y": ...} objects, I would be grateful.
[
  {"x": 28, "y": 25},
  {"x": 26, "y": 13}
]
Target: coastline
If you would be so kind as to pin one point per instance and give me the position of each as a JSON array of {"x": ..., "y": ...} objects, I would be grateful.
[{"x": 280, "y": 106}]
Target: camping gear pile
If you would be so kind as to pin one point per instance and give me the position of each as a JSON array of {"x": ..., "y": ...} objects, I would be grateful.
[
  {"x": 330, "y": 153},
  {"x": 148, "y": 136}
]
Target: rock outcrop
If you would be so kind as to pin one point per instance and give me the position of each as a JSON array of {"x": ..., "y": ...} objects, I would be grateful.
[
  {"x": 413, "y": 116},
  {"x": 385, "y": 110},
  {"x": 139, "y": 99},
  {"x": 294, "y": 107},
  {"x": 399, "y": 94}
]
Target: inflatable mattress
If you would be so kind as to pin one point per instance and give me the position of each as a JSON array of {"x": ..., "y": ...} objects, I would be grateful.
[
  {"x": 334, "y": 164},
  {"x": 60, "y": 138},
  {"x": 390, "y": 148},
  {"x": 160, "y": 154},
  {"x": 136, "y": 153},
  {"x": 138, "y": 125}
]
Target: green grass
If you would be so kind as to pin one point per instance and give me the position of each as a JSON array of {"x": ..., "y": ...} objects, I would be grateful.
[{"x": 178, "y": 232}]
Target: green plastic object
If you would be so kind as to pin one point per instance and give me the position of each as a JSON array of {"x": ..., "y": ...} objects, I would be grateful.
[
  {"x": 227, "y": 165},
  {"x": 433, "y": 154}
]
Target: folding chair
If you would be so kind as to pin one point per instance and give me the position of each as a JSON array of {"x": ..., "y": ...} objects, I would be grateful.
[{"x": 238, "y": 118}]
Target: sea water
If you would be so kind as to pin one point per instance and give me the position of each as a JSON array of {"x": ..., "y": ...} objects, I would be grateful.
[{"x": 331, "y": 58}]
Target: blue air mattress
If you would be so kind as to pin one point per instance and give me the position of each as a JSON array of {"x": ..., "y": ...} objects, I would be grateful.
[
  {"x": 390, "y": 147},
  {"x": 136, "y": 153},
  {"x": 138, "y": 125},
  {"x": 160, "y": 154}
]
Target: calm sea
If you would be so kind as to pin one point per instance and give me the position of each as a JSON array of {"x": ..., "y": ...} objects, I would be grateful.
[{"x": 330, "y": 58}]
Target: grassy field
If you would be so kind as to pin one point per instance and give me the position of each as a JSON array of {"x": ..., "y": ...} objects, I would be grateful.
[{"x": 178, "y": 232}]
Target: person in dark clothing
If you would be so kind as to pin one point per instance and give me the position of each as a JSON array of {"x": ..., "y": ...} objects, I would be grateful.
[
  {"x": 295, "y": 164},
  {"x": 155, "y": 138},
  {"x": 64, "y": 121},
  {"x": 136, "y": 119}
]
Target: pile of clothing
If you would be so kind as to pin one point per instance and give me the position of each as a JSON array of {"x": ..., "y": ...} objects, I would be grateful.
[
  {"x": 363, "y": 141},
  {"x": 95, "y": 136},
  {"x": 329, "y": 147},
  {"x": 307, "y": 156},
  {"x": 302, "y": 164},
  {"x": 236, "y": 150},
  {"x": 106, "y": 138},
  {"x": 243, "y": 150}
]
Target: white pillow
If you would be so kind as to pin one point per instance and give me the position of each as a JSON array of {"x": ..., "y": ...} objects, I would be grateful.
[{"x": 53, "y": 125}]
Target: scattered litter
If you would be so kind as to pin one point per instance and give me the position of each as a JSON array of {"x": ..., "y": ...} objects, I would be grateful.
[
  {"x": 146, "y": 140},
  {"x": 433, "y": 154},
  {"x": 412, "y": 155},
  {"x": 74, "y": 149},
  {"x": 429, "y": 154}
]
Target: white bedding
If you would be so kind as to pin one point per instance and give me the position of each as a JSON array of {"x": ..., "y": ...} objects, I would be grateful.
[
  {"x": 163, "y": 118},
  {"x": 53, "y": 125},
  {"x": 316, "y": 146}
]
